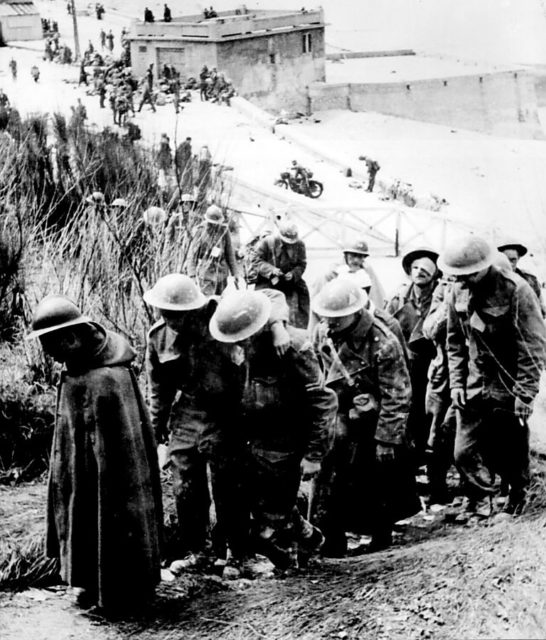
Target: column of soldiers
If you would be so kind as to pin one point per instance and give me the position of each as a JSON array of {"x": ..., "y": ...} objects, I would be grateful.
[{"x": 251, "y": 406}]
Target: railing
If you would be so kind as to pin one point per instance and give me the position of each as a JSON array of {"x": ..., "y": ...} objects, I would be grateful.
[
  {"x": 391, "y": 228},
  {"x": 219, "y": 28}
]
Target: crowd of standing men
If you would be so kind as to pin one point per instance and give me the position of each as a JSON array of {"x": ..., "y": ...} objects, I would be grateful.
[{"x": 262, "y": 392}]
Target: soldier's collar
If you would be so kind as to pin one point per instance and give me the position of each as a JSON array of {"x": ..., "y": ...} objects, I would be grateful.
[{"x": 358, "y": 335}]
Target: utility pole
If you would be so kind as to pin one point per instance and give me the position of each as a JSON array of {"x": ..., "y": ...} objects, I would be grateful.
[{"x": 76, "y": 36}]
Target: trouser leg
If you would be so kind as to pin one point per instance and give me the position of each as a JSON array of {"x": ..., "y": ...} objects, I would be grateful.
[
  {"x": 231, "y": 504},
  {"x": 190, "y": 487},
  {"x": 331, "y": 504},
  {"x": 471, "y": 452},
  {"x": 440, "y": 450},
  {"x": 511, "y": 457}
]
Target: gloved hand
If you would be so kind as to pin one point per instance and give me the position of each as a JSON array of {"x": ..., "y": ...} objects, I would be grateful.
[
  {"x": 523, "y": 409},
  {"x": 384, "y": 452},
  {"x": 458, "y": 398},
  {"x": 289, "y": 275},
  {"x": 309, "y": 469}
]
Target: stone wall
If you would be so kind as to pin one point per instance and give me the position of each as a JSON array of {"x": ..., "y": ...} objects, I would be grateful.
[{"x": 502, "y": 104}]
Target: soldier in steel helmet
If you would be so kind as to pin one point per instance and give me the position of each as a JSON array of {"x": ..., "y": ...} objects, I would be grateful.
[
  {"x": 514, "y": 251},
  {"x": 211, "y": 257},
  {"x": 104, "y": 512},
  {"x": 355, "y": 254},
  {"x": 367, "y": 482},
  {"x": 280, "y": 260},
  {"x": 193, "y": 390},
  {"x": 495, "y": 346},
  {"x": 286, "y": 414},
  {"x": 410, "y": 306}
]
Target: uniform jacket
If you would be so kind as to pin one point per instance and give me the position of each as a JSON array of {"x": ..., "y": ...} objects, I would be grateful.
[
  {"x": 496, "y": 338},
  {"x": 411, "y": 311},
  {"x": 104, "y": 497},
  {"x": 211, "y": 258},
  {"x": 286, "y": 406},
  {"x": 373, "y": 359},
  {"x": 435, "y": 329},
  {"x": 393, "y": 326},
  {"x": 533, "y": 282},
  {"x": 271, "y": 252},
  {"x": 191, "y": 378}
]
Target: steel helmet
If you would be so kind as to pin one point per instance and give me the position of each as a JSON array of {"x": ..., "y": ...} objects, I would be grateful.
[
  {"x": 119, "y": 202},
  {"x": 154, "y": 216},
  {"x": 500, "y": 260},
  {"x": 358, "y": 246},
  {"x": 510, "y": 243},
  {"x": 288, "y": 232},
  {"x": 360, "y": 277},
  {"x": 214, "y": 215},
  {"x": 96, "y": 197},
  {"x": 239, "y": 315},
  {"x": 466, "y": 255},
  {"x": 415, "y": 254},
  {"x": 55, "y": 312},
  {"x": 338, "y": 298},
  {"x": 175, "y": 292}
]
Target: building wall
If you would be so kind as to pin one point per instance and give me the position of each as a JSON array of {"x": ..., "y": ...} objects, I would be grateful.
[
  {"x": 502, "y": 104},
  {"x": 270, "y": 70},
  {"x": 21, "y": 27},
  {"x": 187, "y": 57},
  {"x": 273, "y": 70}
]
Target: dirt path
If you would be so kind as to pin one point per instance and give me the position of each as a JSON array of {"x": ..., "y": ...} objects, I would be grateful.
[{"x": 438, "y": 581}]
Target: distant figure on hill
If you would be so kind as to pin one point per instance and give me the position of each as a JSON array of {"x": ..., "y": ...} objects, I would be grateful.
[
  {"x": 373, "y": 167},
  {"x": 35, "y": 73},
  {"x": 13, "y": 68},
  {"x": 110, "y": 40},
  {"x": 167, "y": 14},
  {"x": 148, "y": 15}
]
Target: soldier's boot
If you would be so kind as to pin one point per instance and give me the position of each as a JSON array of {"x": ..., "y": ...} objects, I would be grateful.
[
  {"x": 517, "y": 500},
  {"x": 335, "y": 545},
  {"x": 266, "y": 545},
  {"x": 193, "y": 562},
  {"x": 479, "y": 508},
  {"x": 309, "y": 545}
]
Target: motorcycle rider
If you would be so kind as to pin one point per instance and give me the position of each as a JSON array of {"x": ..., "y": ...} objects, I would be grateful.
[{"x": 300, "y": 175}]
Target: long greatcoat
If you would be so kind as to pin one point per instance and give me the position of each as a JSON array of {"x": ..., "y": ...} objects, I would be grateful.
[{"x": 104, "y": 496}]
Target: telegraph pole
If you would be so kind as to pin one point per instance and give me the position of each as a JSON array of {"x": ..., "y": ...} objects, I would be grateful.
[{"x": 76, "y": 37}]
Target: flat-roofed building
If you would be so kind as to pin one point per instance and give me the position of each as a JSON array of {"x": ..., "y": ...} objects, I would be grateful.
[
  {"x": 19, "y": 20},
  {"x": 270, "y": 56}
]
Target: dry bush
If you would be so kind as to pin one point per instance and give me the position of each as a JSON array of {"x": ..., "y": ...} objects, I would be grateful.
[{"x": 52, "y": 240}]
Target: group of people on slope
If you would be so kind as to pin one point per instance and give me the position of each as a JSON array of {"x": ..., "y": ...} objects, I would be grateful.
[{"x": 447, "y": 372}]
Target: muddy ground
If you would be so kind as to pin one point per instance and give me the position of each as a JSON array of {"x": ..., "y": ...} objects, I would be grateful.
[{"x": 440, "y": 580}]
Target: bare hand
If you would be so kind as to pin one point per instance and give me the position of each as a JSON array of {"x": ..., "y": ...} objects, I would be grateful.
[
  {"x": 280, "y": 338},
  {"x": 288, "y": 276},
  {"x": 309, "y": 469},
  {"x": 384, "y": 452},
  {"x": 523, "y": 409},
  {"x": 458, "y": 398}
]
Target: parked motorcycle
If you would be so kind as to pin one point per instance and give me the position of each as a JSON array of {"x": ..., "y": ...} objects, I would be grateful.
[{"x": 310, "y": 188}]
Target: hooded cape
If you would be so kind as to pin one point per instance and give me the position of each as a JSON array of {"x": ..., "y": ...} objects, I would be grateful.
[{"x": 104, "y": 496}]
